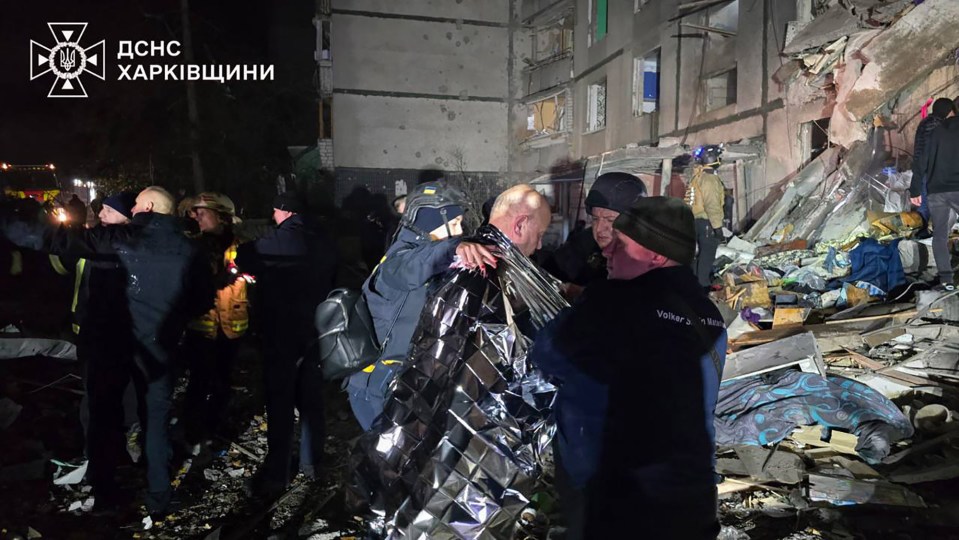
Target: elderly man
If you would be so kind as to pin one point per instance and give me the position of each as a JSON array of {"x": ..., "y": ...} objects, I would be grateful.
[
  {"x": 579, "y": 261},
  {"x": 649, "y": 332},
  {"x": 167, "y": 282},
  {"x": 294, "y": 268}
]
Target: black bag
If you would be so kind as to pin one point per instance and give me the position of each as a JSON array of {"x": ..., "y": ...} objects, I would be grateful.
[{"x": 347, "y": 339}]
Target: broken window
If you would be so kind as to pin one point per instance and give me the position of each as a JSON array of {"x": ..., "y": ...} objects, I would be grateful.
[
  {"x": 646, "y": 83},
  {"x": 814, "y": 137},
  {"x": 552, "y": 41},
  {"x": 596, "y": 113},
  {"x": 323, "y": 40},
  {"x": 326, "y": 118},
  {"x": 546, "y": 116},
  {"x": 725, "y": 17},
  {"x": 720, "y": 90},
  {"x": 598, "y": 10}
]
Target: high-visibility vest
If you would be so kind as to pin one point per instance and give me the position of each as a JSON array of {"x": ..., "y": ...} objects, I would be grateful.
[{"x": 231, "y": 310}]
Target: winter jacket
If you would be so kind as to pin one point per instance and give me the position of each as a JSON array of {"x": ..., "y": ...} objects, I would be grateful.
[
  {"x": 941, "y": 161},
  {"x": 167, "y": 277},
  {"x": 630, "y": 368},
  {"x": 579, "y": 260},
  {"x": 396, "y": 290},
  {"x": 230, "y": 312},
  {"x": 294, "y": 268},
  {"x": 99, "y": 291},
  {"x": 924, "y": 132},
  {"x": 705, "y": 195}
]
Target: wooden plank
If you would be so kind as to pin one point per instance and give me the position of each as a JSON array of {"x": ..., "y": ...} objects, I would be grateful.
[
  {"x": 839, "y": 441},
  {"x": 799, "y": 350},
  {"x": 790, "y": 316}
]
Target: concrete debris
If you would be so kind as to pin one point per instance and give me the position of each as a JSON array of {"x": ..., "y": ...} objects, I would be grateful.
[
  {"x": 891, "y": 66},
  {"x": 837, "y": 22}
]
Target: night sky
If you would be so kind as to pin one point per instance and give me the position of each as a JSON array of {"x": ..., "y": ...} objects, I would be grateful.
[{"x": 125, "y": 124}]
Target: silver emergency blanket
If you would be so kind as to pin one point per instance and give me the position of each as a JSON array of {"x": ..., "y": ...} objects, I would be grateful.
[
  {"x": 26, "y": 347},
  {"x": 463, "y": 444}
]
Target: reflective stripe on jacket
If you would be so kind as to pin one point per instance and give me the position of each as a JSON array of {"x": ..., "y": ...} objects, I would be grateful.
[{"x": 230, "y": 312}]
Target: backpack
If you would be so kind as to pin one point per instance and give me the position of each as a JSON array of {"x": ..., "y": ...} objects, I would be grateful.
[{"x": 347, "y": 340}]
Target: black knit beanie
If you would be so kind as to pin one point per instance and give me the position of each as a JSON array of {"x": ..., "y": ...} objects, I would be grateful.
[
  {"x": 662, "y": 224},
  {"x": 614, "y": 191}
]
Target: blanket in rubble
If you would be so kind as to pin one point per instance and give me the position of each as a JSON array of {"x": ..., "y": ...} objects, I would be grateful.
[
  {"x": 766, "y": 408},
  {"x": 463, "y": 444}
]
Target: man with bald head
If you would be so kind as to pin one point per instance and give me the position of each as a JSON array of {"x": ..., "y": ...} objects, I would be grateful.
[
  {"x": 523, "y": 215},
  {"x": 167, "y": 284}
]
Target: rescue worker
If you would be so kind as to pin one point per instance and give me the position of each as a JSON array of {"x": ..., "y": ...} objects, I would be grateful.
[
  {"x": 648, "y": 336},
  {"x": 942, "y": 108},
  {"x": 705, "y": 195},
  {"x": 167, "y": 283},
  {"x": 396, "y": 291},
  {"x": 579, "y": 261},
  {"x": 102, "y": 323},
  {"x": 294, "y": 268},
  {"x": 212, "y": 340}
]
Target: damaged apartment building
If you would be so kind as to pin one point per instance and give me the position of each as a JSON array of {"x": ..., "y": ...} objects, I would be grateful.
[{"x": 556, "y": 91}]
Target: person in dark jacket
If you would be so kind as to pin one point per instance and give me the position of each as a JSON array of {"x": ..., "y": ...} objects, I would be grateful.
[
  {"x": 942, "y": 108},
  {"x": 940, "y": 164},
  {"x": 102, "y": 321},
  {"x": 294, "y": 269},
  {"x": 630, "y": 361},
  {"x": 167, "y": 283},
  {"x": 396, "y": 291},
  {"x": 579, "y": 261},
  {"x": 77, "y": 211},
  {"x": 212, "y": 340}
]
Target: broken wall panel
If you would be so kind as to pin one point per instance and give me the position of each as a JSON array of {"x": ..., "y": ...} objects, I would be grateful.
[{"x": 913, "y": 45}]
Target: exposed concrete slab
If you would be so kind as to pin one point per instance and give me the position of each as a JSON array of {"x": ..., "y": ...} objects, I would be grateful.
[
  {"x": 908, "y": 49},
  {"x": 835, "y": 23}
]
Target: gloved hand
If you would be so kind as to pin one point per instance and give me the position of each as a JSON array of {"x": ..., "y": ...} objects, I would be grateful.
[{"x": 718, "y": 234}]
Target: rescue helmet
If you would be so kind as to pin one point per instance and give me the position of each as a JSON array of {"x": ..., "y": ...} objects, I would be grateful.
[
  {"x": 215, "y": 201},
  {"x": 708, "y": 155},
  {"x": 438, "y": 195}
]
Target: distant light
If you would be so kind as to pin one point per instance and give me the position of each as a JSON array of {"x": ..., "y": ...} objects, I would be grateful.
[
  {"x": 93, "y": 193},
  {"x": 4, "y": 166},
  {"x": 50, "y": 165},
  {"x": 77, "y": 182}
]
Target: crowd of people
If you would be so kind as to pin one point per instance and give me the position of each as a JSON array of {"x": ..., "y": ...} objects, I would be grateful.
[{"x": 161, "y": 285}]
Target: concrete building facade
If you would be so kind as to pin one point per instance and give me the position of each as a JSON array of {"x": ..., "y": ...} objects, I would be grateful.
[{"x": 421, "y": 84}]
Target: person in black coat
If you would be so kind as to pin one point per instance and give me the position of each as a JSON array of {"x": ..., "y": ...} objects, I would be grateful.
[
  {"x": 167, "y": 283},
  {"x": 294, "y": 268},
  {"x": 640, "y": 353},
  {"x": 579, "y": 261},
  {"x": 942, "y": 108}
]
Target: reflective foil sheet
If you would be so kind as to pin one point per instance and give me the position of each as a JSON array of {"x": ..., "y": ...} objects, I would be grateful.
[{"x": 464, "y": 442}]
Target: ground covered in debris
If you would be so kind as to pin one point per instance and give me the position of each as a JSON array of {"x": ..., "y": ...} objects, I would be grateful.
[{"x": 43, "y": 440}]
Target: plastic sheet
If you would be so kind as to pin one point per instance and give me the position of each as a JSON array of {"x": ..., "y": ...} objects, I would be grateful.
[
  {"x": 25, "y": 347},
  {"x": 464, "y": 442}
]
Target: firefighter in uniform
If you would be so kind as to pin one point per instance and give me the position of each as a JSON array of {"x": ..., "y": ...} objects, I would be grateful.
[
  {"x": 212, "y": 340},
  {"x": 705, "y": 194}
]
